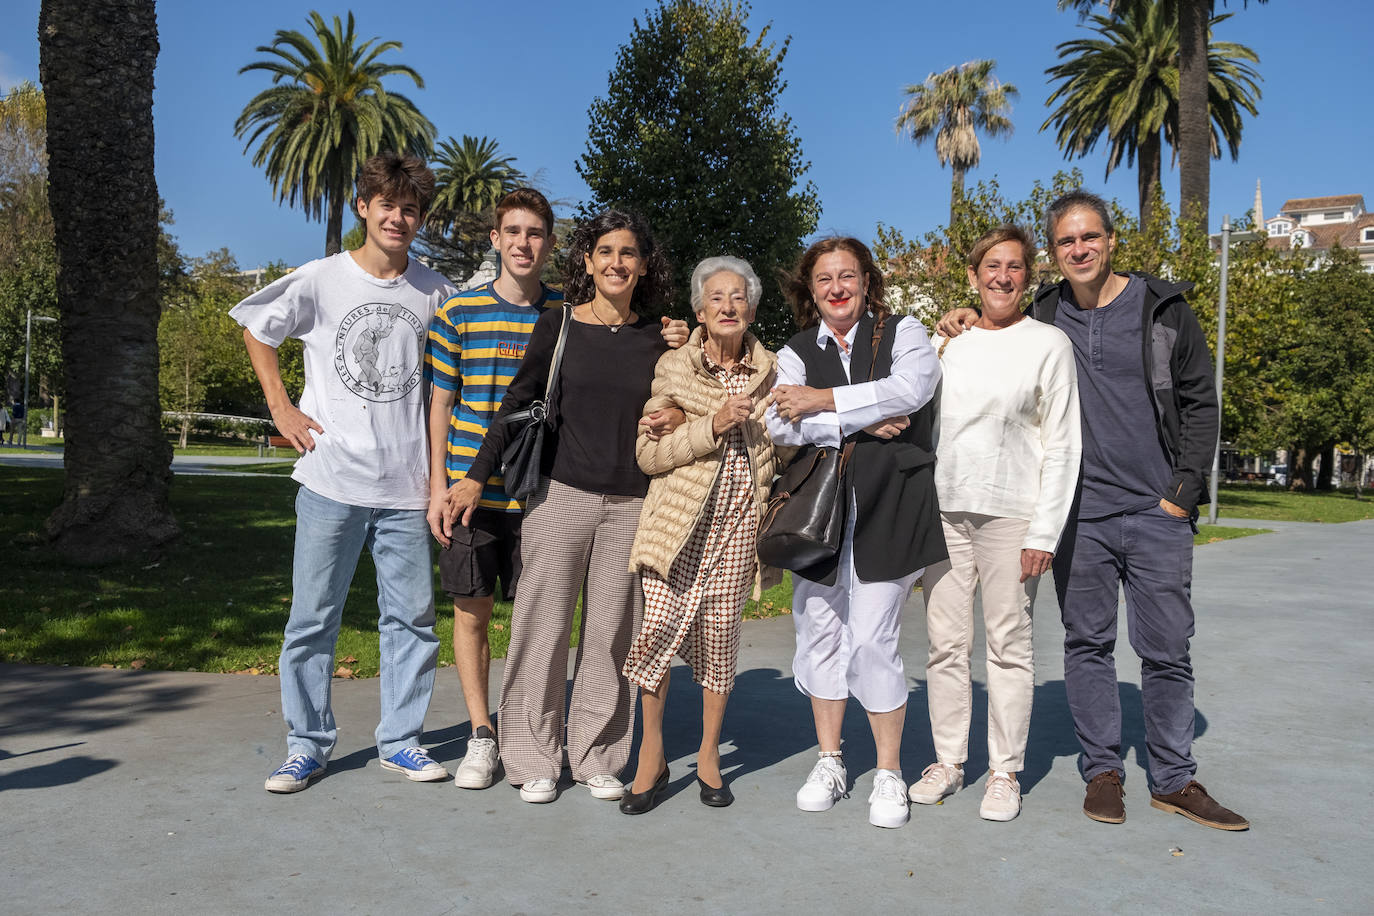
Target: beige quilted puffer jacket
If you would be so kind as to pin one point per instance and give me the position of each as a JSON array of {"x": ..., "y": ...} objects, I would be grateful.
[{"x": 684, "y": 464}]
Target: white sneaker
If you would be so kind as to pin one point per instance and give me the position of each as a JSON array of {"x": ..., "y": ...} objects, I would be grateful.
[
  {"x": 1001, "y": 798},
  {"x": 887, "y": 806},
  {"x": 539, "y": 791},
  {"x": 939, "y": 780},
  {"x": 477, "y": 770},
  {"x": 827, "y": 783},
  {"x": 606, "y": 787}
]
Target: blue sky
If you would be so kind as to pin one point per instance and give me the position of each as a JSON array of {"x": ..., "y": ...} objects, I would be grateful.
[{"x": 525, "y": 74}]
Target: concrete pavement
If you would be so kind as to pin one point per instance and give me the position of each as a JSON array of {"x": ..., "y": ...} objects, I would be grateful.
[{"x": 142, "y": 791}]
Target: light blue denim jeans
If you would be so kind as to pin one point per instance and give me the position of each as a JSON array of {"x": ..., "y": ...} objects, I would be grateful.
[{"x": 330, "y": 537}]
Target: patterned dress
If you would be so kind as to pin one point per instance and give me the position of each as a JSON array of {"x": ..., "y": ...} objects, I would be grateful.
[{"x": 695, "y": 612}]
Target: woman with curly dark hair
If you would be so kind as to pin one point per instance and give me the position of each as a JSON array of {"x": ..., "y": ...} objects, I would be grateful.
[{"x": 581, "y": 521}]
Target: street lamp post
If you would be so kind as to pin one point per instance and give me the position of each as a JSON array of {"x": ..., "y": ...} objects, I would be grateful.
[
  {"x": 29, "y": 319},
  {"x": 1226, "y": 237}
]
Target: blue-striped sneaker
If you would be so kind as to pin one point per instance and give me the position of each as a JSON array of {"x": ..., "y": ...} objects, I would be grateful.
[
  {"x": 415, "y": 764},
  {"x": 294, "y": 775}
]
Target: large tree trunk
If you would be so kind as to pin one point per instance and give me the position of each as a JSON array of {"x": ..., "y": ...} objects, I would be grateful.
[
  {"x": 333, "y": 229},
  {"x": 1147, "y": 178},
  {"x": 1325, "y": 472},
  {"x": 96, "y": 62},
  {"x": 1194, "y": 136},
  {"x": 1300, "y": 467}
]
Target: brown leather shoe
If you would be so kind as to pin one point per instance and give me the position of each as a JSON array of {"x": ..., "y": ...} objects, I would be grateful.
[
  {"x": 1104, "y": 801},
  {"x": 1193, "y": 802}
]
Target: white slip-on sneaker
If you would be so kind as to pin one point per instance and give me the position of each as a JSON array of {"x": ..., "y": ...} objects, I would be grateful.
[
  {"x": 1001, "y": 798},
  {"x": 606, "y": 787},
  {"x": 827, "y": 783},
  {"x": 539, "y": 791},
  {"x": 939, "y": 780},
  {"x": 887, "y": 806},
  {"x": 477, "y": 770}
]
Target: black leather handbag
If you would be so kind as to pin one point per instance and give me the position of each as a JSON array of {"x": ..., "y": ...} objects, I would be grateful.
[
  {"x": 524, "y": 451},
  {"x": 803, "y": 523}
]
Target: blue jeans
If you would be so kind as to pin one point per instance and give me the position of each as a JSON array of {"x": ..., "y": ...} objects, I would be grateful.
[
  {"x": 1150, "y": 554},
  {"x": 330, "y": 537}
]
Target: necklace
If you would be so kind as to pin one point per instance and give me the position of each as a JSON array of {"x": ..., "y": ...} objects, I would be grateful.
[{"x": 614, "y": 328}]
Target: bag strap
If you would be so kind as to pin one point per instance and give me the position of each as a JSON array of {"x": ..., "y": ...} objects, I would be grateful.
[
  {"x": 877, "y": 338},
  {"x": 557, "y": 354}
]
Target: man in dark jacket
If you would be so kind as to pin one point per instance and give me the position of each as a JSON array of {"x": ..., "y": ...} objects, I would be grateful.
[{"x": 1150, "y": 424}]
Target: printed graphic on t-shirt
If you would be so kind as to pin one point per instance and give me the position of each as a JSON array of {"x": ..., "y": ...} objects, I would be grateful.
[{"x": 377, "y": 351}]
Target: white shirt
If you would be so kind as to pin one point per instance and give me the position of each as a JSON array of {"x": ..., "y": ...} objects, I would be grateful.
[
  {"x": 1009, "y": 438},
  {"x": 915, "y": 375},
  {"x": 364, "y": 343}
]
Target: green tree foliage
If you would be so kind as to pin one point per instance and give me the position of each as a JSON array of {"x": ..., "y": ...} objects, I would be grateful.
[
  {"x": 953, "y": 107},
  {"x": 1124, "y": 86},
  {"x": 927, "y": 278},
  {"x": 471, "y": 178},
  {"x": 689, "y": 134},
  {"x": 28, "y": 258},
  {"x": 325, "y": 114}
]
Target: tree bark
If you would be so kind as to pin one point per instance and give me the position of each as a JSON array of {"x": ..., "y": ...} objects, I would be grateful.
[
  {"x": 1300, "y": 468},
  {"x": 956, "y": 192},
  {"x": 96, "y": 62},
  {"x": 333, "y": 230},
  {"x": 1328, "y": 467},
  {"x": 1194, "y": 136},
  {"x": 1147, "y": 178}
]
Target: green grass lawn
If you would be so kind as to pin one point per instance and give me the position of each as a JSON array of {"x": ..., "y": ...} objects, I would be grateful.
[
  {"x": 1279, "y": 505},
  {"x": 196, "y": 445},
  {"x": 218, "y": 599}
]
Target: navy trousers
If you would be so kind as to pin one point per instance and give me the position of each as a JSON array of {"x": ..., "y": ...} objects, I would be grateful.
[{"x": 1149, "y": 554}]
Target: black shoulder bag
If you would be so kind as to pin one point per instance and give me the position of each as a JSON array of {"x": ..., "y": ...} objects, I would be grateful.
[
  {"x": 803, "y": 523},
  {"x": 520, "y": 461}
]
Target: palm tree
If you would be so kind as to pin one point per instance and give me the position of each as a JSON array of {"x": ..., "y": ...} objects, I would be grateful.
[
  {"x": 1196, "y": 143},
  {"x": 325, "y": 113},
  {"x": 470, "y": 177},
  {"x": 953, "y": 106},
  {"x": 96, "y": 65},
  {"x": 1126, "y": 85}
]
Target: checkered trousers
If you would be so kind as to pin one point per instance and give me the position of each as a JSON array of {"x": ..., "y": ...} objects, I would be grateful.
[
  {"x": 571, "y": 535},
  {"x": 695, "y": 611}
]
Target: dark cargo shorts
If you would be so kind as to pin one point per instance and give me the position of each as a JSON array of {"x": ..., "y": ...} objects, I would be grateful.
[{"x": 482, "y": 555}]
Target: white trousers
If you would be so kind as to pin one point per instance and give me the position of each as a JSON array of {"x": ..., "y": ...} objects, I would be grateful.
[
  {"x": 847, "y": 635},
  {"x": 987, "y": 550}
]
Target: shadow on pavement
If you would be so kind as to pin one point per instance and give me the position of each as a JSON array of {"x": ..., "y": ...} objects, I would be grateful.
[{"x": 39, "y": 698}]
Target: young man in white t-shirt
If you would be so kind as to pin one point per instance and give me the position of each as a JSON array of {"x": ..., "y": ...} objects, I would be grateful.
[{"x": 360, "y": 431}]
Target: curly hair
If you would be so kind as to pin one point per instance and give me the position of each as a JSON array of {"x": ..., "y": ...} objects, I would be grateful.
[
  {"x": 651, "y": 290},
  {"x": 796, "y": 286},
  {"x": 395, "y": 176}
]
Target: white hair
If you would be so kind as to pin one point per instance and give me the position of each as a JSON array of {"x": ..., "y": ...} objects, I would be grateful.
[{"x": 753, "y": 287}]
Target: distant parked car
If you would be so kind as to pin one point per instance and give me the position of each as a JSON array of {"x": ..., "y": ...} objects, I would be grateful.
[{"x": 1278, "y": 475}]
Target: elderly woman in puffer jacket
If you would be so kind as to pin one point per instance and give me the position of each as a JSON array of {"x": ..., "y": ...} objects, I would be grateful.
[{"x": 695, "y": 548}]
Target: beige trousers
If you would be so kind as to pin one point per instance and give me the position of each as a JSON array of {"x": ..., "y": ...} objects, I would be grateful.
[
  {"x": 982, "y": 550},
  {"x": 569, "y": 536}
]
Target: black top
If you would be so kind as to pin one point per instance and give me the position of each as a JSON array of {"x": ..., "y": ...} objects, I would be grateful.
[{"x": 599, "y": 397}]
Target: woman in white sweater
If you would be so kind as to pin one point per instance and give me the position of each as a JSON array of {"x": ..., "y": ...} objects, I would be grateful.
[{"x": 1008, "y": 449}]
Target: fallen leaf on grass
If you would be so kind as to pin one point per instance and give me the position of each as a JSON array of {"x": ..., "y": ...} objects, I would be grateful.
[
  {"x": 498, "y": 626},
  {"x": 137, "y": 663},
  {"x": 129, "y": 628},
  {"x": 107, "y": 665},
  {"x": 349, "y": 660},
  {"x": 341, "y": 671}
]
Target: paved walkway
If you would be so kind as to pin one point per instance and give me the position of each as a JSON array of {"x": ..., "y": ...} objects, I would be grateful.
[{"x": 142, "y": 791}]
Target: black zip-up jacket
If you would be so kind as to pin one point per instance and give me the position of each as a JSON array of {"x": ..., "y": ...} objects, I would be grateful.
[{"x": 1178, "y": 376}]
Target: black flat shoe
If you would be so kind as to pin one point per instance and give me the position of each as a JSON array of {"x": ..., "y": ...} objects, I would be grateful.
[
  {"x": 716, "y": 798},
  {"x": 640, "y": 803}
]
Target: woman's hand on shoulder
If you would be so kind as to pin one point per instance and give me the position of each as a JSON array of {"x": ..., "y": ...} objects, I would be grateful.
[
  {"x": 955, "y": 322},
  {"x": 674, "y": 331}
]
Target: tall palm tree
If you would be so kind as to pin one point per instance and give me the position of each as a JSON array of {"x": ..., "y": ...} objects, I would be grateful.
[
  {"x": 953, "y": 106},
  {"x": 96, "y": 64},
  {"x": 1125, "y": 85},
  {"x": 1196, "y": 144},
  {"x": 325, "y": 113},
  {"x": 470, "y": 177}
]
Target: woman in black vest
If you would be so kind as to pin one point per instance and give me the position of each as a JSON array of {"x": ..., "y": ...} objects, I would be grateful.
[{"x": 856, "y": 374}]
